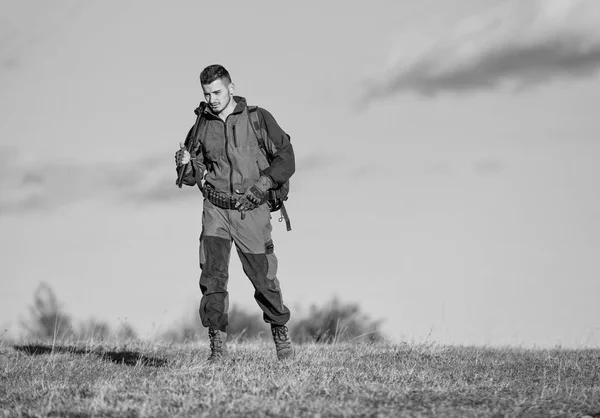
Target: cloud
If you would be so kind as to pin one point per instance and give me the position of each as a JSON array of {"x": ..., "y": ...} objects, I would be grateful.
[
  {"x": 488, "y": 166},
  {"x": 31, "y": 184},
  {"x": 22, "y": 31},
  {"x": 521, "y": 43},
  {"x": 28, "y": 185},
  {"x": 314, "y": 161}
]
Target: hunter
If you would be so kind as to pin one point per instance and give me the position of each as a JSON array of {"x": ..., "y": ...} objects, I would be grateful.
[{"x": 222, "y": 155}]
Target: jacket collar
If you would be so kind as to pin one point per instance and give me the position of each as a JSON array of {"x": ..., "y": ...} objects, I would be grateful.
[{"x": 240, "y": 105}]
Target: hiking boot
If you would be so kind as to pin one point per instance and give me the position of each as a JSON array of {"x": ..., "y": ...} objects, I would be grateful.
[
  {"x": 218, "y": 344},
  {"x": 283, "y": 344}
]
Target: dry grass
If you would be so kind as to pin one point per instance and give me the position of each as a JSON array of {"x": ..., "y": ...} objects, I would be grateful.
[{"x": 378, "y": 380}]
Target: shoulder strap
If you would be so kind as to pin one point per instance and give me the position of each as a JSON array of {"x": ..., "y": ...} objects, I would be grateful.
[
  {"x": 254, "y": 120},
  {"x": 258, "y": 131}
]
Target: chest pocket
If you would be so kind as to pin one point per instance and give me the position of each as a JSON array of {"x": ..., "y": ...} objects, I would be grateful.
[
  {"x": 213, "y": 143},
  {"x": 245, "y": 142},
  {"x": 243, "y": 137}
]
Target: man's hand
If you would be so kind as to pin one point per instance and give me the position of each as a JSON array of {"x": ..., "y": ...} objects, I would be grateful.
[
  {"x": 182, "y": 156},
  {"x": 255, "y": 195}
]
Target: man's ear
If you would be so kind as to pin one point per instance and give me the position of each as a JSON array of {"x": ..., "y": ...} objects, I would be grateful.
[{"x": 231, "y": 88}]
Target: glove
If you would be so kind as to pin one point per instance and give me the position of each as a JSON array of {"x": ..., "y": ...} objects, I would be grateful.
[{"x": 255, "y": 195}]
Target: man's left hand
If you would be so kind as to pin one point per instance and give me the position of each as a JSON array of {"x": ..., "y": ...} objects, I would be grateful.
[{"x": 255, "y": 195}]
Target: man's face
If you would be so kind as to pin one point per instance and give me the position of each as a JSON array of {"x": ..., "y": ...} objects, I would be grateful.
[{"x": 218, "y": 95}]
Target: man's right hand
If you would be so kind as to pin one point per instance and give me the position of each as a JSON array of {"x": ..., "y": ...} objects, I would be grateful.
[{"x": 182, "y": 156}]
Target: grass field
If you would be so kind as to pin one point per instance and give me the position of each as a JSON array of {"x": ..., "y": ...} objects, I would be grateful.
[{"x": 377, "y": 380}]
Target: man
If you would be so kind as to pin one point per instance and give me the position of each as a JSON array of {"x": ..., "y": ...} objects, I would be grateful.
[{"x": 235, "y": 176}]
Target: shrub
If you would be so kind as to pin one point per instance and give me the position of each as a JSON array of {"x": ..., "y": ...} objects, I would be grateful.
[
  {"x": 244, "y": 325},
  {"x": 47, "y": 320},
  {"x": 336, "y": 322},
  {"x": 333, "y": 322},
  {"x": 46, "y": 317}
]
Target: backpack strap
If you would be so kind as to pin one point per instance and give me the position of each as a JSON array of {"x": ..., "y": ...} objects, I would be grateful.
[
  {"x": 284, "y": 216},
  {"x": 258, "y": 131},
  {"x": 255, "y": 125}
]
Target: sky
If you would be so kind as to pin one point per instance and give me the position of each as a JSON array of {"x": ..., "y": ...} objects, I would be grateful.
[{"x": 446, "y": 160}]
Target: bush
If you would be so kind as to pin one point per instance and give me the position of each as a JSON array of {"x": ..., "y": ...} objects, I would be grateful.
[
  {"x": 92, "y": 329},
  {"x": 46, "y": 317},
  {"x": 96, "y": 330},
  {"x": 333, "y": 322},
  {"x": 47, "y": 320},
  {"x": 246, "y": 326},
  {"x": 242, "y": 326},
  {"x": 336, "y": 322},
  {"x": 187, "y": 329}
]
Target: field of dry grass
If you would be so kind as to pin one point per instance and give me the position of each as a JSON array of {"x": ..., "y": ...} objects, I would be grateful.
[{"x": 368, "y": 380}]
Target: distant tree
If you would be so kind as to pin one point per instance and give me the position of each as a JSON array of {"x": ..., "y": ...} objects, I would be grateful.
[
  {"x": 187, "y": 329},
  {"x": 96, "y": 330},
  {"x": 333, "y": 322},
  {"x": 93, "y": 329},
  {"x": 244, "y": 325},
  {"x": 126, "y": 331},
  {"x": 47, "y": 320},
  {"x": 46, "y": 316},
  {"x": 336, "y": 322}
]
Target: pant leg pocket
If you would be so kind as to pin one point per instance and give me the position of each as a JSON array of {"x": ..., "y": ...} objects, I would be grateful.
[
  {"x": 272, "y": 271},
  {"x": 201, "y": 252}
]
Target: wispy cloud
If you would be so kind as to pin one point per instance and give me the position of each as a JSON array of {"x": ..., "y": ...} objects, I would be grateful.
[
  {"x": 522, "y": 43},
  {"x": 33, "y": 184},
  {"x": 22, "y": 31},
  {"x": 36, "y": 185},
  {"x": 314, "y": 161}
]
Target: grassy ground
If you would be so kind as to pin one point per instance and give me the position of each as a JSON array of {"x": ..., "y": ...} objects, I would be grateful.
[{"x": 323, "y": 380}]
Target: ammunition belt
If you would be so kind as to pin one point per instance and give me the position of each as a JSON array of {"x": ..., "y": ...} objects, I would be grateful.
[{"x": 219, "y": 199}]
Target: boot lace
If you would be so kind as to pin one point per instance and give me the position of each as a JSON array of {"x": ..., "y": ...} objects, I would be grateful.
[
  {"x": 281, "y": 338},
  {"x": 216, "y": 342}
]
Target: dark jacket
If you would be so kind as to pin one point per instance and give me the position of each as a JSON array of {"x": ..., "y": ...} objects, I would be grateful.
[{"x": 229, "y": 152}]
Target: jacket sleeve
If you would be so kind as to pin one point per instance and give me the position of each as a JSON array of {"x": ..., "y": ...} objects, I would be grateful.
[
  {"x": 194, "y": 171},
  {"x": 279, "y": 146}
]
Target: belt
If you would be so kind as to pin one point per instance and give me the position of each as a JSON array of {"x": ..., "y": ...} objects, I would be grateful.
[
  {"x": 226, "y": 201},
  {"x": 219, "y": 199}
]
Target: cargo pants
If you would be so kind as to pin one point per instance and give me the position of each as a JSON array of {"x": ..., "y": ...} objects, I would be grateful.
[{"x": 252, "y": 238}]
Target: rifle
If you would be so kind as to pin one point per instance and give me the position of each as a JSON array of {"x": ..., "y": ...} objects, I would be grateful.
[{"x": 190, "y": 145}]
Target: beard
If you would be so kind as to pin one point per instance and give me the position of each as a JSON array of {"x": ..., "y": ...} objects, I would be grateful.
[{"x": 219, "y": 106}]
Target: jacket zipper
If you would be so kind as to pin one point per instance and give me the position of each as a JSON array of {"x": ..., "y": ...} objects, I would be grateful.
[
  {"x": 235, "y": 143},
  {"x": 228, "y": 157}
]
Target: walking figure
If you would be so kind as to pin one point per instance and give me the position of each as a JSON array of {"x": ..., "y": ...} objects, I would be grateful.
[{"x": 241, "y": 160}]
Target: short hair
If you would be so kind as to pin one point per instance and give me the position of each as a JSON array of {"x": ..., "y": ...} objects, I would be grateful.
[{"x": 214, "y": 72}]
